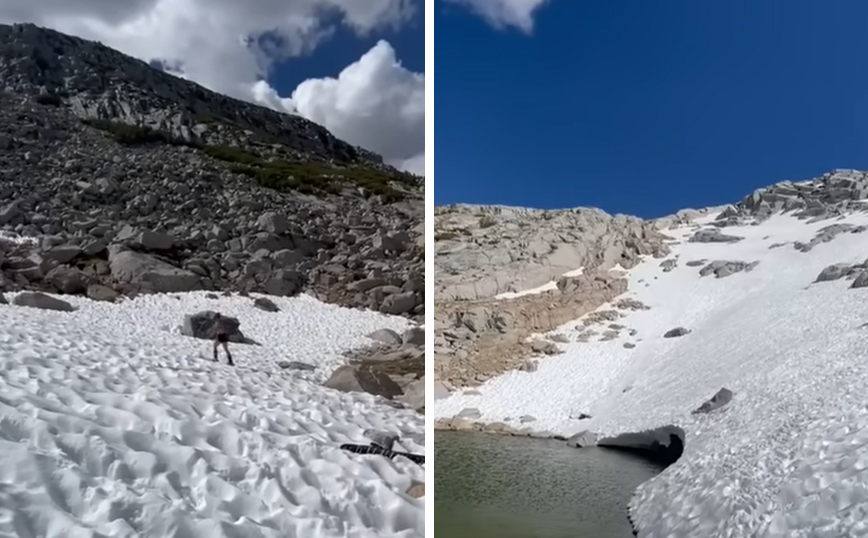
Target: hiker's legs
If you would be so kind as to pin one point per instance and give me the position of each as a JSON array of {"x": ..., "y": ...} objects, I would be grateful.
[
  {"x": 216, "y": 343},
  {"x": 228, "y": 355}
]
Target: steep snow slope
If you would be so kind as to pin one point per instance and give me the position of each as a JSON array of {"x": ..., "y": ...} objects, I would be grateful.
[
  {"x": 787, "y": 456},
  {"x": 114, "y": 425}
]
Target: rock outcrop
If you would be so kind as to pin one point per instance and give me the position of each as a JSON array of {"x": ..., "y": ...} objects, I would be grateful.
[
  {"x": 475, "y": 340},
  {"x": 392, "y": 367},
  {"x": 118, "y": 175},
  {"x": 483, "y": 251},
  {"x": 828, "y": 196}
]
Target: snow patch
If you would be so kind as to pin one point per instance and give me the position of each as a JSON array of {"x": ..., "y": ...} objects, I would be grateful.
[
  {"x": 112, "y": 424},
  {"x": 784, "y": 457}
]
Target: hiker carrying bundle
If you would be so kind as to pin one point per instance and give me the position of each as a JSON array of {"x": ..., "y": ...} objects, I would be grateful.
[{"x": 220, "y": 334}]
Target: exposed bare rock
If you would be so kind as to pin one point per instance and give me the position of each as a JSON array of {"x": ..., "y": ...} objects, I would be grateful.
[
  {"x": 41, "y": 301},
  {"x": 669, "y": 264},
  {"x": 631, "y": 304},
  {"x": 676, "y": 332},
  {"x": 713, "y": 235},
  {"x": 827, "y": 234},
  {"x": 180, "y": 188},
  {"x": 483, "y": 251},
  {"x": 724, "y": 268},
  {"x": 357, "y": 378},
  {"x": 529, "y": 366},
  {"x": 720, "y": 399}
]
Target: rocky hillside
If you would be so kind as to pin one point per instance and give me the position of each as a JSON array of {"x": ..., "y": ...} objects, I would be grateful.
[
  {"x": 505, "y": 273},
  {"x": 116, "y": 178}
]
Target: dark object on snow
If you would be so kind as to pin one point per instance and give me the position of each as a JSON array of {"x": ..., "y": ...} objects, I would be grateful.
[
  {"x": 207, "y": 324},
  {"x": 263, "y": 303},
  {"x": 380, "y": 451},
  {"x": 41, "y": 301},
  {"x": 723, "y": 397},
  {"x": 295, "y": 365},
  {"x": 359, "y": 378},
  {"x": 676, "y": 332},
  {"x": 220, "y": 333}
]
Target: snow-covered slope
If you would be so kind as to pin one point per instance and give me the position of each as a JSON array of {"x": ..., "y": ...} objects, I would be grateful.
[
  {"x": 787, "y": 456},
  {"x": 114, "y": 425}
]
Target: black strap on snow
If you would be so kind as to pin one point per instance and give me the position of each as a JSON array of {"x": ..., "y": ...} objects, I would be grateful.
[{"x": 380, "y": 451}]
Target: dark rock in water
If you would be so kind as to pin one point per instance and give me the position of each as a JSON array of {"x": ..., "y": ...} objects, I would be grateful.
[
  {"x": 3, "y": 299},
  {"x": 582, "y": 439},
  {"x": 662, "y": 445},
  {"x": 676, "y": 332},
  {"x": 201, "y": 325},
  {"x": 356, "y": 378},
  {"x": 41, "y": 301},
  {"x": 295, "y": 365},
  {"x": 266, "y": 305},
  {"x": 723, "y": 397}
]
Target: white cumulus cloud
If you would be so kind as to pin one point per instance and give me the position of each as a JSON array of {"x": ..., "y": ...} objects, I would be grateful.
[
  {"x": 374, "y": 99},
  {"x": 504, "y": 13},
  {"x": 229, "y": 46}
]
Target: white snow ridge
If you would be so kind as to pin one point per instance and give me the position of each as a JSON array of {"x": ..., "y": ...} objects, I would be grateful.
[
  {"x": 114, "y": 425},
  {"x": 788, "y": 455}
]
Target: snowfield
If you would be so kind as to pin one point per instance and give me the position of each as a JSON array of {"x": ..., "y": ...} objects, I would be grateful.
[
  {"x": 788, "y": 456},
  {"x": 112, "y": 424}
]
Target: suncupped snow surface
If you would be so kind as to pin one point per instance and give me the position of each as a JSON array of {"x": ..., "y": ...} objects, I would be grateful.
[
  {"x": 112, "y": 424},
  {"x": 788, "y": 456}
]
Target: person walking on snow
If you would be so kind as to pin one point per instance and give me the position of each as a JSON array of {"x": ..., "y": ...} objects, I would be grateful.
[{"x": 220, "y": 333}]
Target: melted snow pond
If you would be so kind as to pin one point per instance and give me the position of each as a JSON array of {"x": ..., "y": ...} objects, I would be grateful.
[{"x": 512, "y": 487}]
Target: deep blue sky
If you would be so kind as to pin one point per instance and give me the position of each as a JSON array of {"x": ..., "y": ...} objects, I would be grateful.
[
  {"x": 345, "y": 47},
  {"x": 646, "y": 107}
]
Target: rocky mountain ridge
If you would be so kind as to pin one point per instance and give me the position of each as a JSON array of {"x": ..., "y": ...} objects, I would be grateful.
[
  {"x": 503, "y": 273},
  {"x": 116, "y": 178},
  {"x": 98, "y": 82}
]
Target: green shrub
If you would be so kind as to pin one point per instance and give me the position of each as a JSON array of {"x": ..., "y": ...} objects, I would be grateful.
[
  {"x": 308, "y": 177},
  {"x": 233, "y": 155},
  {"x": 130, "y": 135}
]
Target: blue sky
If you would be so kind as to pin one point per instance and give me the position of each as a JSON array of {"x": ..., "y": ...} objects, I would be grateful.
[
  {"x": 647, "y": 107},
  {"x": 345, "y": 47}
]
